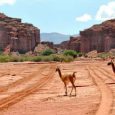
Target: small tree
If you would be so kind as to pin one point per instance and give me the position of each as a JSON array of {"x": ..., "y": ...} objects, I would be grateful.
[
  {"x": 47, "y": 52},
  {"x": 70, "y": 53}
]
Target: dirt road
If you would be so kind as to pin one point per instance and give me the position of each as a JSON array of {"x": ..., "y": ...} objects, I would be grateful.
[{"x": 36, "y": 89}]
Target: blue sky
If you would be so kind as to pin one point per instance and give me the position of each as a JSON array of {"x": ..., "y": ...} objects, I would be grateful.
[{"x": 63, "y": 16}]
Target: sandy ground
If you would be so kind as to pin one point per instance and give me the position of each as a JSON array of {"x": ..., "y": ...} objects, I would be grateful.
[{"x": 36, "y": 89}]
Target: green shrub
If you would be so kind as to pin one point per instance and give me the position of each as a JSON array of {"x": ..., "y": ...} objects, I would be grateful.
[
  {"x": 47, "y": 52},
  {"x": 22, "y": 58},
  {"x": 70, "y": 53},
  {"x": 5, "y": 58},
  {"x": 104, "y": 55},
  {"x": 21, "y": 51},
  {"x": 62, "y": 58},
  {"x": 79, "y": 54},
  {"x": 14, "y": 59},
  {"x": 56, "y": 57},
  {"x": 68, "y": 58},
  {"x": 37, "y": 59},
  {"x": 47, "y": 58}
]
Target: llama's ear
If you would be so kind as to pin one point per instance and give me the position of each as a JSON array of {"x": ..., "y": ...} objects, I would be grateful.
[
  {"x": 57, "y": 67},
  {"x": 112, "y": 60}
]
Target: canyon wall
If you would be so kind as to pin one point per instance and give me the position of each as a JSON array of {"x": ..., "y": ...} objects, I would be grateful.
[
  {"x": 99, "y": 37},
  {"x": 20, "y": 36}
]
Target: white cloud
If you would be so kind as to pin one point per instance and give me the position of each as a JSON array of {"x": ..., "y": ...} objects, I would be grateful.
[
  {"x": 84, "y": 18},
  {"x": 106, "y": 12},
  {"x": 9, "y": 2}
]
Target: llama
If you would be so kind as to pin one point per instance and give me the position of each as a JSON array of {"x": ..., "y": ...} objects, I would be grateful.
[
  {"x": 66, "y": 78},
  {"x": 112, "y": 64}
]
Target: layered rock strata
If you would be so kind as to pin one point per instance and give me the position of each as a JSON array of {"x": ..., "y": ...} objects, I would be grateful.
[{"x": 20, "y": 36}]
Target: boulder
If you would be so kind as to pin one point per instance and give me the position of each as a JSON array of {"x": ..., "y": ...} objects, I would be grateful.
[
  {"x": 40, "y": 47},
  {"x": 92, "y": 54}
]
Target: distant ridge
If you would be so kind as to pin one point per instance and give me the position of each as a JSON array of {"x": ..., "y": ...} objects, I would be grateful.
[{"x": 54, "y": 37}]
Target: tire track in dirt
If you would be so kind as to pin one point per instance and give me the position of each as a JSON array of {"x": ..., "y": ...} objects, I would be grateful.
[
  {"x": 106, "y": 74},
  {"x": 110, "y": 82},
  {"x": 17, "y": 96},
  {"x": 22, "y": 80},
  {"x": 7, "y": 72},
  {"x": 10, "y": 85},
  {"x": 112, "y": 76},
  {"x": 106, "y": 93},
  {"x": 107, "y": 71}
]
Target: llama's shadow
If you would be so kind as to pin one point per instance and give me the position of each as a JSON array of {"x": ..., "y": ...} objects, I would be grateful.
[
  {"x": 66, "y": 96},
  {"x": 61, "y": 96}
]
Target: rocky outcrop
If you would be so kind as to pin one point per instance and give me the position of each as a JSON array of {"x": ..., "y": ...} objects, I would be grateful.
[
  {"x": 63, "y": 45},
  {"x": 73, "y": 44},
  {"x": 21, "y": 37},
  {"x": 49, "y": 44},
  {"x": 41, "y": 47},
  {"x": 99, "y": 37}
]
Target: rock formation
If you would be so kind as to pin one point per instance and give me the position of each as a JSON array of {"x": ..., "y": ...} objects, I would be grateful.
[
  {"x": 99, "y": 37},
  {"x": 49, "y": 44},
  {"x": 41, "y": 47},
  {"x": 63, "y": 45},
  {"x": 24, "y": 37},
  {"x": 21, "y": 37},
  {"x": 73, "y": 44}
]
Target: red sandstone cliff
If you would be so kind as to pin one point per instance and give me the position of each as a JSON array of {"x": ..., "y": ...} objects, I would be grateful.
[
  {"x": 20, "y": 36},
  {"x": 99, "y": 37},
  {"x": 73, "y": 44}
]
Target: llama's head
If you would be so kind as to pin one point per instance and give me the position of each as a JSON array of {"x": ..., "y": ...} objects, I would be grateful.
[
  {"x": 57, "y": 68},
  {"x": 110, "y": 63}
]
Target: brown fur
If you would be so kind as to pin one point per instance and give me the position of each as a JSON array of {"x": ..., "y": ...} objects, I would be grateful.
[
  {"x": 66, "y": 78},
  {"x": 112, "y": 64}
]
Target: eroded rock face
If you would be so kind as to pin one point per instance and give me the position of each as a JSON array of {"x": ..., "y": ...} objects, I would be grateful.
[
  {"x": 20, "y": 36},
  {"x": 73, "y": 44},
  {"x": 49, "y": 44},
  {"x": 63, "y": 45},
  {"x": 99, "y": 37}
]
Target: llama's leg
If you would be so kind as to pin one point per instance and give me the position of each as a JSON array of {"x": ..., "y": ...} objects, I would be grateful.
[
  {"x": 65, "y": 89},
  {"x": 71, "y": 90},
  {"x": 73, "y": 86},
  {"x": 75, "y": 89}
]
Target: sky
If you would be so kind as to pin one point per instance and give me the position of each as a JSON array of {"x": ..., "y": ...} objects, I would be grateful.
[{"x": 62, "y": 16}]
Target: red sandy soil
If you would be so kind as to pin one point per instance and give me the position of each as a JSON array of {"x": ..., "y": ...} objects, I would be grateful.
[{"x": 36, "y": 89}]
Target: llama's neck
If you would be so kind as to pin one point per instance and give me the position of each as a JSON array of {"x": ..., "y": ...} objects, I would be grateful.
[
  {"x": 59, "y": 71},
  {"x": 113, "y": 67},
  {"x": 74, "y": 74}
]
